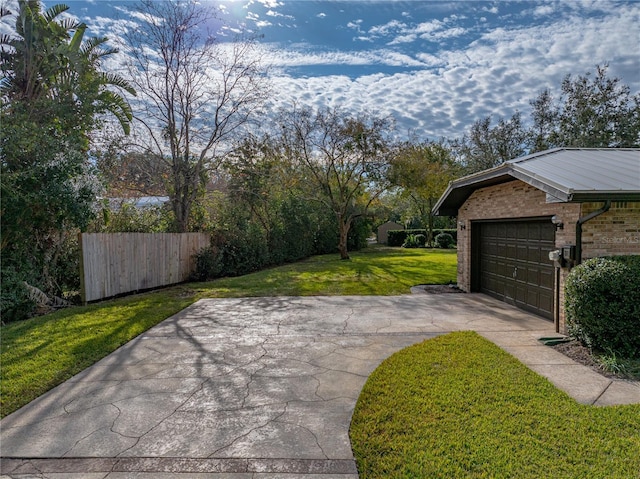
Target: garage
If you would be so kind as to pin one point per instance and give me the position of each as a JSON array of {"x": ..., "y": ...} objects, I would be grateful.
[
  {"x": 510, "y": 262},
  {"x": 579, "y": 203}
]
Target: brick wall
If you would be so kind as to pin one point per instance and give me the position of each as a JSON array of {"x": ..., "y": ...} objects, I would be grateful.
[{"x": 614, "y": 232}]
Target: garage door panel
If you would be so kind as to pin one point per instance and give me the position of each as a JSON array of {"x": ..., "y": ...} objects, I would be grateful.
[
  {"x": 514, "y": 264},
  {"x": 533, "y": 277}
]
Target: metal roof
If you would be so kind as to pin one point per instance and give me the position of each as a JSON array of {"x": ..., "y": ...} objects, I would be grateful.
[{"x": 565, "y": 174}]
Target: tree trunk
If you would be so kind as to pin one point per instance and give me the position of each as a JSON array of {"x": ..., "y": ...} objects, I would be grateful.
[
  {"x": 430, "y": 223},
  {"x": 181, "y": 207},
  {"x": 344, "y": 225}
]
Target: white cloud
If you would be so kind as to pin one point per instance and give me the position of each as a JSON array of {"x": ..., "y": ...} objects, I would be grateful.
[
  {"x": 411, "y": 37},
  {"x": 448, "y": 33},
  {"x": 428, "y": 27},
  {"x": 543, "y": 10},
  {"x": 496, "y": 75},
  {"x": 441, "y": 92},
  {"x": 297, "y": 57},
  {"x": 382, "y": 30},
  {"x": 268, "y": 3}
]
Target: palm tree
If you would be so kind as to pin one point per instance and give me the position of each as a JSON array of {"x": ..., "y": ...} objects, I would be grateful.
[
  {"x": 45, "y": 62},
  {"x": 52, "y": 97}
]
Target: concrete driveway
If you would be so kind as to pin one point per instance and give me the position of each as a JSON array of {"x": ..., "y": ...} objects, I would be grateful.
[{"x": 241, "y": 388}]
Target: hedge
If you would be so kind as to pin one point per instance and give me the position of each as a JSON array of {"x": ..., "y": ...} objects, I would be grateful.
[
  {"x": 398, "y": 237},
  {"x": 603, "y": 304}
]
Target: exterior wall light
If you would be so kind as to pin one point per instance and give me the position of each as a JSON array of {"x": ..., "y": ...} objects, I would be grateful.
[
  {"x": 462, "y": 225},
  {"x": 557, "y": 222}
]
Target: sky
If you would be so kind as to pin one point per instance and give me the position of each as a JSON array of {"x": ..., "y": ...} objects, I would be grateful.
[{"x": 434, "y": 66}]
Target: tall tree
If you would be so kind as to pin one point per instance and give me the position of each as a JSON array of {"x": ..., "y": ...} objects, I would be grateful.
[
  {"x": 423, "y": 171},
  {"x": 53, "y": 96},
  {"x": 594, "y": 111},
  {"x": 344, "y": 159},
  {"x": 486, "y": 146},
  {"x": 195, "y": 93}
]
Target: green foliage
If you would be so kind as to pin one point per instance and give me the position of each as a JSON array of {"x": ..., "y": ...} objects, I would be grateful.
[
  {"x": 421, "y": 240},
  {"x": 591, "y": 111},
  {"x": 53, "y": 96},
  {"x": 341, "y": 160},
  {"x": 622, "y": 367},
  {"x": 422, "y": 172},
  {"x": 411, "y": 241},
  {"x": 487, "y": 146},
  {"x": 15, "y": 304},
  {"x": 603, "y": 304},
  {"x": 457, "y": 406},
  {"x": 444, "y": 240},
  {"x": 359, "y": 232},
  {"x": 126, "y": 218},
  {"x": 398, "y": 237},
  {"x": 285, "y": 231}
]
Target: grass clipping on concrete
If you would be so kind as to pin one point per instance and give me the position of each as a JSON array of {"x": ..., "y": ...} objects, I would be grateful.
[{"x": 457, "y": 406}]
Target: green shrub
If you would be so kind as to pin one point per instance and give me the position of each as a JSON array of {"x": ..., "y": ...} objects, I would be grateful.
[
  {"x": 452, "y": 232},
  {"x": 398, "y": 237},
  {"x": 603, "y": 304},
  {"x": 358, "y": 233},
  {"x": 208, "y": 264},
  {"x": 15, "y": 304},
  {"x": 421, "y": 240},
  {"x": 444, "y": 240},
  {"x": 415, "y": 241},
  {"x": 410, "y": 242}
]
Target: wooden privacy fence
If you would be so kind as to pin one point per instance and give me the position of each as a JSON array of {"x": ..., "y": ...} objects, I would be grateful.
[{"x": 117, "y": 263}]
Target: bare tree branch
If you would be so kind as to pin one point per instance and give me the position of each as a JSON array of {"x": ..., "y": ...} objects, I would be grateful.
[{"x": 195, "y": 93}]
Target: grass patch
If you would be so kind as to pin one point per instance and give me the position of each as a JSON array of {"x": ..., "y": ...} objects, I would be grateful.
[
  {"x": 373, "y": 271},
  {"x": 457, "y": 406},
  {"x": 40, "y": 353}
]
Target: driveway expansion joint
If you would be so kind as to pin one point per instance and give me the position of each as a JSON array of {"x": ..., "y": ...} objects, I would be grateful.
[{"x": 178, "y": 465}]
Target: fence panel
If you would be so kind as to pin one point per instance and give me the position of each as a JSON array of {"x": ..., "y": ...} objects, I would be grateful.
[{"x": 117, "y": 263}]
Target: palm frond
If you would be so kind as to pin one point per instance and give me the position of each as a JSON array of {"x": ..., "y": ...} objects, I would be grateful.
[
  {"x": 71, "y": 24},
  {"x": 116, "y": 80},
  {"x": 52, "y": 12},
  {"x": 92, "y": 50},
  {"x": 76, "y": 41},
  {"x": 6, "y": 39},
  {"x": 118, "y": 107}
]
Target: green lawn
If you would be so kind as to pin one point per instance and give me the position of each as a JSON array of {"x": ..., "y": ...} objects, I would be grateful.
[
  {"x": 374, "y": 271},
  {"x": 38, "y": 354},
  {"x": 457, "y": 406}
]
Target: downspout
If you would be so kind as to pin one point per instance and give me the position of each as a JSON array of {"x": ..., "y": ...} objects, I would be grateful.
[
  {"x": 582, "y": 221},
  {"x": 556, "y": 316}
]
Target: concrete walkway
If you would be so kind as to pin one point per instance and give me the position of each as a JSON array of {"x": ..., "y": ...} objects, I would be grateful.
[{"x": 256, "y": 388}]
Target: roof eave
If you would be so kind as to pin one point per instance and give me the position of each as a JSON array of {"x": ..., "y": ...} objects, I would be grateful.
[
  {"x": 589, "y": 196},
  {"x": 459, "y": 190}
]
